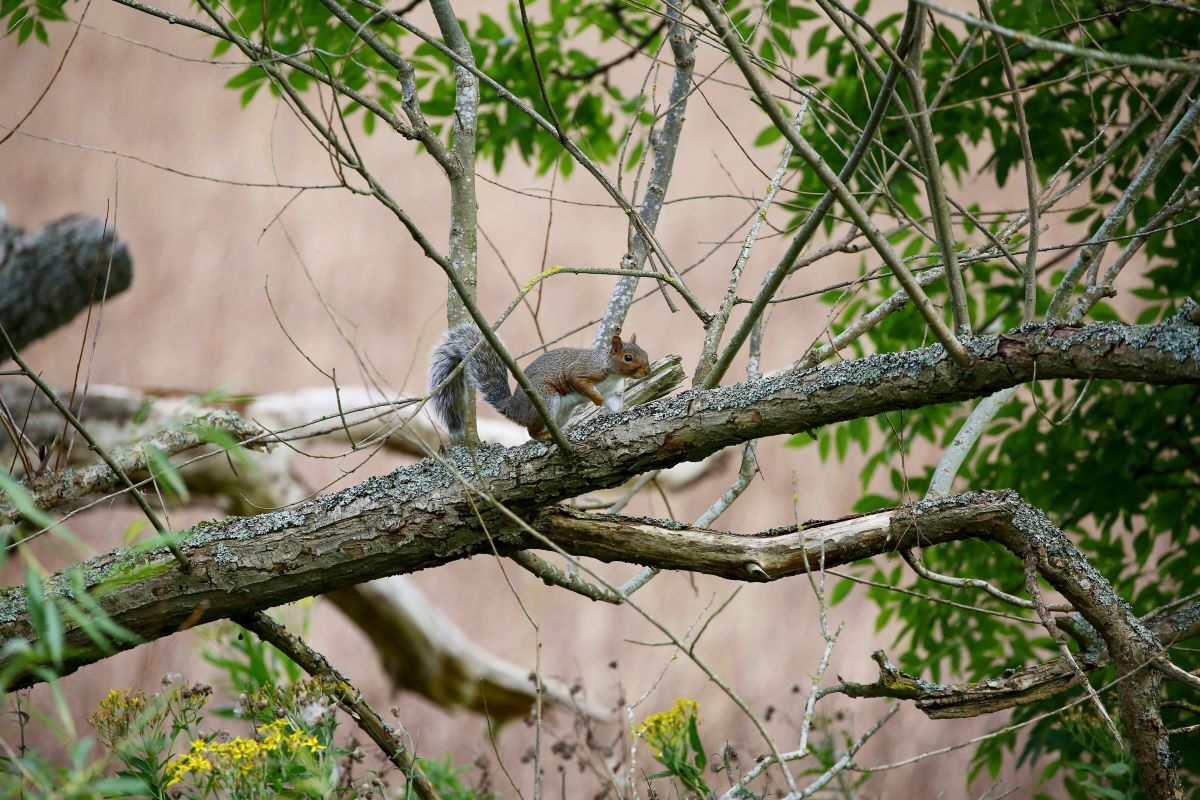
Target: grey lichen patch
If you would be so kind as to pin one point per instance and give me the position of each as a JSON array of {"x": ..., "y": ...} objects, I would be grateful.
[
  {"x": 981, "y": 346},
  {"x": 489, "y": 461},
  {"x": 675, "y": 406},
  {"x": 592, "y": 427},
  {"x": 224, "y": 557},
  {"x": 875, "y": 369},
  {"x": 1177, "y": 337},
  {"x": 937, "y": 505},
  {"x": 13, "y": 605},
  {"x": 1185, "y": 618},
  {"x": 245, "y": 528}
]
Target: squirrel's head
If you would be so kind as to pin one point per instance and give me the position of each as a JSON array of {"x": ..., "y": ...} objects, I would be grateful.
[{"x": 628, "y": 359}]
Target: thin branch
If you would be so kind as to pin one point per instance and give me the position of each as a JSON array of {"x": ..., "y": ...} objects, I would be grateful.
[
  {"x": 1031, "y": 185},
  {"x": 844, "y": 195},
  {"x": 552, "y": 576},
  {"x": 1137, "y": 187},
  {"x": 934, "y": 182},
  {"x": 1104, "y": 288},
  {"x": 716, "y": 327},
  {"x": 738, "y": 790},
  {"x": 162, "y": 529},
  {"x": 351, "y": 699},
  {"x": 665, "y": 144},
  {"x": 1060, "y": 639},
  {"x": 1038, "y": 43},
  {"x": 411, "y": 103},
  {"x": 537, "y": 71},
  {"x": 964, "y": 441}
]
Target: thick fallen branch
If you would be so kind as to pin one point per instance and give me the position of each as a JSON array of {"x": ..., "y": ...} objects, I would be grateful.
[
  {"x": 421, "y": 516},
  {"x": 49, "y": 275},
  {"x": 424, "y": 652}
]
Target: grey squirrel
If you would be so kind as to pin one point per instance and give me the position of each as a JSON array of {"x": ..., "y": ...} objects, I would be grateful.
[{"x": 563, "y": 377}]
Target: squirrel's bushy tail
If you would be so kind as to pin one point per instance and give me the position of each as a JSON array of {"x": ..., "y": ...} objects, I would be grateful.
[{"x": 487, "y": 372}]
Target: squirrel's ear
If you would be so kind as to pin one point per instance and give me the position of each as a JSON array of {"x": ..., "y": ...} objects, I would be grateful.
[
  {"x": 616, "y": 342},
  {"x": 633, "y": 338}
]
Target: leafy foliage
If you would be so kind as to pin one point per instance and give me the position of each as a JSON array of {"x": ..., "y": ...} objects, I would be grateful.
[
  {"x": 276, "y": 740},
  {"x": 1115, "y": 464},
  {"x": 587, "y": 107}
]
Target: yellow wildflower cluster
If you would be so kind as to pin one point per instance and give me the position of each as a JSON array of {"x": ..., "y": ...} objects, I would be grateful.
[
  {"x": 296, "y": 740},
  {"x": 668, "y": 730},
  {"x": 240, "y": 757},
  {"x": 118, "y": 712},
  {"x": 122, "y": 714}
]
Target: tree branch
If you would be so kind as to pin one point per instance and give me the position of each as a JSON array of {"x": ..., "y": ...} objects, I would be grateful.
[
  {"x": 421, "y": 516},
  {"x": 666, "y": 145}
]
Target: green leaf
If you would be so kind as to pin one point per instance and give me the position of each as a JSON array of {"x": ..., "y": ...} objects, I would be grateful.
[
  {"x": 164, "y": 472},
  {"x": 701, "y": 760},
  {"x": 20, "y": 500},
  {"x": 767, "y": 135},
  {"x": 840, "y": 592},
  {"x": 143, "y": 411}
]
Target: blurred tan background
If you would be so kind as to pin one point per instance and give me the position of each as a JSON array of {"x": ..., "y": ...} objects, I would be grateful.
[{"x": 197, "y": 318}]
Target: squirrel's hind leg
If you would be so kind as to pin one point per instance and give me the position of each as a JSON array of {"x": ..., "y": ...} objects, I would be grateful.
[{"x": 538, "y": 430}]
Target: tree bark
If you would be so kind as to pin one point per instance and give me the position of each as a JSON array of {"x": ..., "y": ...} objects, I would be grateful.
[{"x": 49, "y": 275}]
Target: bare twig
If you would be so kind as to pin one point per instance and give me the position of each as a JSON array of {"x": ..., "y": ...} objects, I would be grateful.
[
  {"x": 162, "y": 529},
  {"x": 836, "y": 185},
  {"x": 351, "y": 699}
]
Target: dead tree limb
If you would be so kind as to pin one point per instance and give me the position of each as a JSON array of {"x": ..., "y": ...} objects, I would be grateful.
[
  {"x": 49, "y": 275},
  {"x": 424, "y": 652}
]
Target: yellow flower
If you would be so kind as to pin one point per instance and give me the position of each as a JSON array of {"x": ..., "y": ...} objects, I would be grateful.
[
  {"x": 298, "y": 739},
  {"x": 183, "y": 765},
  {"x": 668, "y": 729},
  {"x": 239, "y": 756}
]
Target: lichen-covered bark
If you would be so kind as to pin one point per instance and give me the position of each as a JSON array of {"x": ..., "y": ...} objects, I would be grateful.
[
  {"x": 1132, "y": 646},
  {"x": 421, "y": 516},
  {"x": 49, "y": 275}
]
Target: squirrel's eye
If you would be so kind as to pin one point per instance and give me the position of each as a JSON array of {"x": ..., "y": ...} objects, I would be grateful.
[{"x": 628, "y": 357}]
